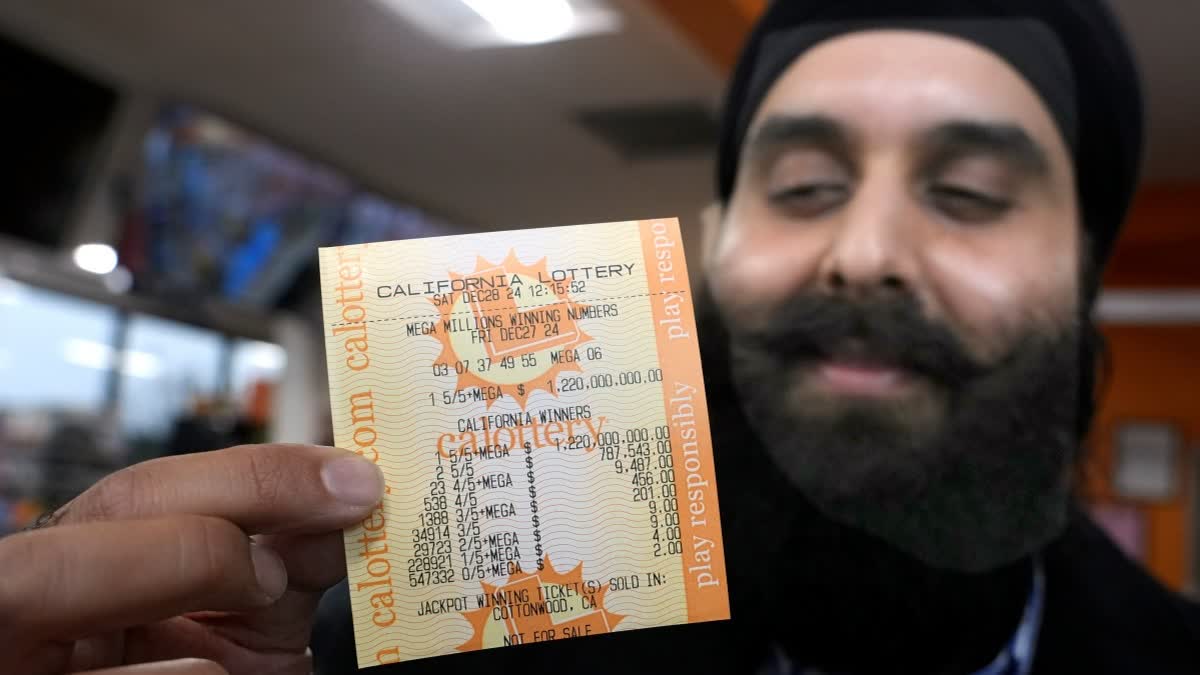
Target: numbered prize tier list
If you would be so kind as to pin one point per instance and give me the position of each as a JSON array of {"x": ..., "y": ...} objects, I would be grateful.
[{"x": 535, "y": 401}]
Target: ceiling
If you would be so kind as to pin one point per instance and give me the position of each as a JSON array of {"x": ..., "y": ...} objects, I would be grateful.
[
  {"x": 1163, "y": 33},
  {"x": 485, "y": 138},
  {"x": 488, "y": 138}
]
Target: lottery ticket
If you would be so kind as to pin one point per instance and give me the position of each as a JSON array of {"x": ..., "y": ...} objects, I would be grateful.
[{"x": 535, "y": 401}]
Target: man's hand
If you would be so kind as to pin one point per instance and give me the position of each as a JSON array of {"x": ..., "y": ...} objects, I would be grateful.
[{"x": 219, "y": 558}]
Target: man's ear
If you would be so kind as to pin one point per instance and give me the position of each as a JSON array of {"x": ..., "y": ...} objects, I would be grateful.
[{"x": 710, "y": 228}]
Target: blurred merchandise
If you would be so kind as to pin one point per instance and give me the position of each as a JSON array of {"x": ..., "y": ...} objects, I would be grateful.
[{"x": 21, "y": 514}]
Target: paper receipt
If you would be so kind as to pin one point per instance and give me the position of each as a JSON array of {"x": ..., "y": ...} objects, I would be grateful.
[{"x": 535, "y": 401}]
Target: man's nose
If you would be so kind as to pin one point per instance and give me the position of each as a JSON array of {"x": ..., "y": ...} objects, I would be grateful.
[{"x": 873, "y": 246}]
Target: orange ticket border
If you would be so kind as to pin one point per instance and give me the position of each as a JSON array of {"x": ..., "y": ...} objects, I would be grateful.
[{"x": 686, "y": 413}]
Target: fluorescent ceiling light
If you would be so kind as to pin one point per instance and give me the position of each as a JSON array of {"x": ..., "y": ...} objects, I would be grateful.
[
  {"x": 87, "y": 354},
  {"x": 526, "y": 21},
  {"x": 95, "y": 258},
  {"x": 475, "y": 24},
  {"x": 141, "y": 365},
  {"x": 99, "y": 356}
]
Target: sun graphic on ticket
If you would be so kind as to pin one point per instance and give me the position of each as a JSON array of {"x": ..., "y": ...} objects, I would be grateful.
[
  {"x": 573, "y": 608},
  {"x": 517, "y": 316},
  {"x": 511, "y": 386}
]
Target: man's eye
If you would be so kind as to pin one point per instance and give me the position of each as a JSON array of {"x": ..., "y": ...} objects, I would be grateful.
[
  {"x": 809, "y": 199},
  {"x": 967, "y": 205}
]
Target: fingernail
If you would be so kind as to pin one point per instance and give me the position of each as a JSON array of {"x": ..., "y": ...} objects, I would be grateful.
[
  {"x": 268, "y": 570},
  {"x": 353, "y": 480}
]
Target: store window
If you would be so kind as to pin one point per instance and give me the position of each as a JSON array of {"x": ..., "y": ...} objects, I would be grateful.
[
  {"x": 55, "y": 360},
  {"x": 54, "y": 351},
  {"x": 218, "y": 214}
]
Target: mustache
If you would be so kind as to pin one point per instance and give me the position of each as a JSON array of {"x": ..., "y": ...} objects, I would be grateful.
[{"x": 890, "y": 330}]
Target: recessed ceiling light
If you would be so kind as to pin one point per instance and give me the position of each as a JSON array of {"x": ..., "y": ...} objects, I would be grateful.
[
  {"x": 95, "y": 258},
  {"x": 474, "y": 24},
  {"x": 526, "y": 21}
]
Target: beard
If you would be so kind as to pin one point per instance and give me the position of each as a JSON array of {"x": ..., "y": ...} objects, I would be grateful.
[{"x": 967, "y": 471}]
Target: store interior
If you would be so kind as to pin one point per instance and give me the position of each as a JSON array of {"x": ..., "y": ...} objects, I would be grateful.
[{"x": 179, "y": 163}]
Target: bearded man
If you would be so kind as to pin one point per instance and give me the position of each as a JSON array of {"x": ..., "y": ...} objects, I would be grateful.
[{"x": 918, "y": 197}]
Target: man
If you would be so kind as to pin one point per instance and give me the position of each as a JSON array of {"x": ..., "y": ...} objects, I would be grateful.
[{"x": 918, "y": 198}]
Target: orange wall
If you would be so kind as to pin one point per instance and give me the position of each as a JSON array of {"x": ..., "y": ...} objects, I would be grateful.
[
  {"x": 1157, "y": 368},
  {"x": 1156, "y": 378},
  {"x": 716, "y": 27},
  {"x": 1160, "y": 246}
]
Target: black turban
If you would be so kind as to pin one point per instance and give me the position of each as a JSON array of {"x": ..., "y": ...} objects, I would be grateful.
[{"x": 1072, "y": 52}]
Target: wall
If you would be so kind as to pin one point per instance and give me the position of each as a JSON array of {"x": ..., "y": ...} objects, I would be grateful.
[
  {"x": 1156, "y": 370},
  {"x": 1156, "y": 377},
  {"x": 1159, "y": 246}
]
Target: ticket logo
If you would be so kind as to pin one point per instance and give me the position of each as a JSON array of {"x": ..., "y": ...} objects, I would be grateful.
[{"x": 521, "y": 329}]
